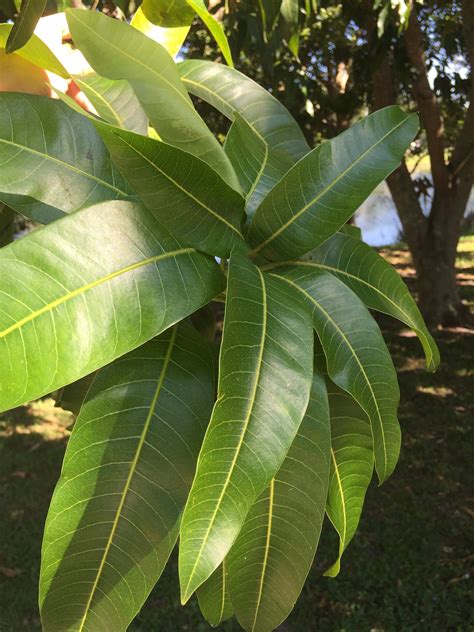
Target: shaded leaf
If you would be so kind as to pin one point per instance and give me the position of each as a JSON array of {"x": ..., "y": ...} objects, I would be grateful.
[
  {"x": 352, "y": 464},
  {"x": 216, "y": 29},
  {"x": 265, "y": 375},
  {"x": 357, "y": 359},
  {"x": 35, "y": 51},
  {"x": 88, "y": 288},
  {"x": 116, "y": 50},
  {"x": 7, "y": 216},
  {"x": 25, "y": 24},
  {"x": 183, "y": 192},
  {"x": 230, "y": 91},
  {"x": 168, "y": 14},
  {"x": 72, "y": 396},
  {"x": 324, "y": 189},
  {"x": 213, "y": 597},
  {"x": 129, "y": 464},
  {"x": 269, "y": 563}
]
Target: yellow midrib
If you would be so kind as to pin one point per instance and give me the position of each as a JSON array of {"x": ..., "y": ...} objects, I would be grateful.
[
  {"x": 242, "y": 435},
  {"x": 115, "y": 115},
  {"x": 325, "y": 190},
  {"x": 267, "y": 551},
  {"x": 224, "y": 588},
  {"x": 133, "y": 468},
  {"x": 77, "y": 292},
  {"x": 346, "y": 340},
  {"x": 343, "y": 504}
]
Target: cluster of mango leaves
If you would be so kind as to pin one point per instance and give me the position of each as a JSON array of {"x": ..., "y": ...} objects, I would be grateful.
[{"x": 147, "y": 220}]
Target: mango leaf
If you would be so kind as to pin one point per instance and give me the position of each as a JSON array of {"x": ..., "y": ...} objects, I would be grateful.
[
  {"x": 269, "y": 10},
  {"x": 171, "y": 39},
  {"x": 216, "y": 29},
  {"x": 213, "y": 597},
  {"x": 53, "y": 155},
  {"x": 114, "y": 101},
  {"x": 322, "y": 191},
  {"x": 376, "y": 282},
  {"x": 129, "y": 464},
  {"x": 116, "y": 50},
  {"x": 183, "y": 192},
  {"x": 352, "y": 464},
  {"x": 25, "y": 24},
  {"x": 230, "y": 91},
  {"x": 37, "y": 211},
  {"x": 357, "y": 359},
  {"x": 265, "y": 375},
  {"x": 88, "y": 288},
  {"x": 269, "y": 563},
  {"x": 290, "y": 16},
  {"x": 35, "y": 51},
  {"x": 168, "y": 14},
  {"x": 72, "y": 396},
  {"x": 258, "y": 165}
]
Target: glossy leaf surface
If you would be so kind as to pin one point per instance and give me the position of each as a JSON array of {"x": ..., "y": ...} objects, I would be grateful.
[
  {"x": 170, "y": 38},
  {"x": 273, "y": 554},
  {"x": 183, "y": 192},
  {"x": 88, "y": 288},
  {"x": 129, "y": 464},
  {"x": 265, "y": 375},
  {"x": 352, "y": 464},
  {"x": 324, "y": 190},
  {"x": 357, "y": 359},
  {"x": 213, "y": 596},
  {"x": 230, "y": 91},
  {"x": 154, "y": 77},
  {"x": 376, "y": 282},
  {"x": 25, "y": 24},
  {"x": 53, "y": 155}
]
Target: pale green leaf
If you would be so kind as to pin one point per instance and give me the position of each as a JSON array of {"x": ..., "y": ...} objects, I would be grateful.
[
  {"x": 25, "y": 24},
  {"x": 268, "y": 564},
  {"x": 324, "y": 189},
  {"x": 183, "y": 192},
  {"x": 352, "y": 464},
  {"x": 216, "y": 29},
  {"x": 130, "y": 461},
  {"x": 88, "y": 288},
  {"x": 265, "y": 375},
  {"x": 171, "y": 39},
  {"x": 213, "y": 597},
  {"x": 357, "y": 359},
  {"x": 230, "y": 91},
  {"x": 35, "y": 51},
  {"x": 116, "y": 50},
  {"x": 53, "y": 155}
]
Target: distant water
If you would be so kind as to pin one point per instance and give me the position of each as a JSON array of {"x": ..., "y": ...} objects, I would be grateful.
[{"x": 378, "y": 218}]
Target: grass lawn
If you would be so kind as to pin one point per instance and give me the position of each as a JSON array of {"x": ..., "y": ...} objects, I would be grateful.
[{"x": 409, "y": 567}]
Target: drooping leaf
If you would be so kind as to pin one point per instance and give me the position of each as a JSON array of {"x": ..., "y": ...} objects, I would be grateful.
[
  {"x": 114, "y": 101},
  {"x": 230, "y": 91},
  {"x": 352, "y": 464},
  {"x": 25, "y": 24},
  {"x": 53, "y": 155},
  {"x": 171, "y": 39},
  {"x": 129, "y": 464},
  {"x": 322, "y": 191},
  {"x": 265, "y": 375},
  {"x": 258, "y": 165},
  {"x": 35, "y": 51},
  {"x": 268, "y": 564},
  {"x": 116, "y": 50},
  {"x": 290, "y": 16},
  {"x": 183, "y": 192},
  {"x": 357, "y": 359},
  {"x": 375, "y": 281},
  {"x": 269, "y": 10},
  {"x": 88, "y": 288},
  {"x": 215, "y": 28},
  {"x": 213, "y": 597}
]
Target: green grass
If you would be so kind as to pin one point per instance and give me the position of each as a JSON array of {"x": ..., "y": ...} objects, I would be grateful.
[{"x": 408, "y": 567}]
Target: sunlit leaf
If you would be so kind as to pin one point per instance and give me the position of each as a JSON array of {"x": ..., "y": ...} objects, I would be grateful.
[
  {"x": 171, "y": 39},
  {"x": 214, "y": 27}
]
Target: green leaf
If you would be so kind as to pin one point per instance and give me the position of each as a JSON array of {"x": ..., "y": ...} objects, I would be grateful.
[
  {"x": 51, "y": 154},
  {"x": 168, "y": 14},
  {"x": 37, "y": 211},
  {"x": 130, "y": 461},
  {"x": 35, "y": 51},
  {"x": 352, "y": 464},
  {"x": 358, "y": 360},
  {"x": 269, "y": 563},
  {"x": 269, "y": 10},
  {"x": 290, "y": 13},
  {"x": 258, "y": 165},
  {"x": 216, "y": 29},
  {"x": 72, "y": 396},
  {"x": 114, "y": 101},
  {"x": 230, "y": 91},
  {"x": 171, "y": 39},
  {"x": 213, "y": 597},
  {"x": 88, "y": 288},
  {"x": 7, "y": 216},
  {"x": 376, "y": 282},
  {"x": 265, "y": 376},
  {"x": 25, "y": 24},
  {"x": 183, "y": 192},
  {"x": 116, "y": 50},
  {"x": 325, "y": 188}
]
